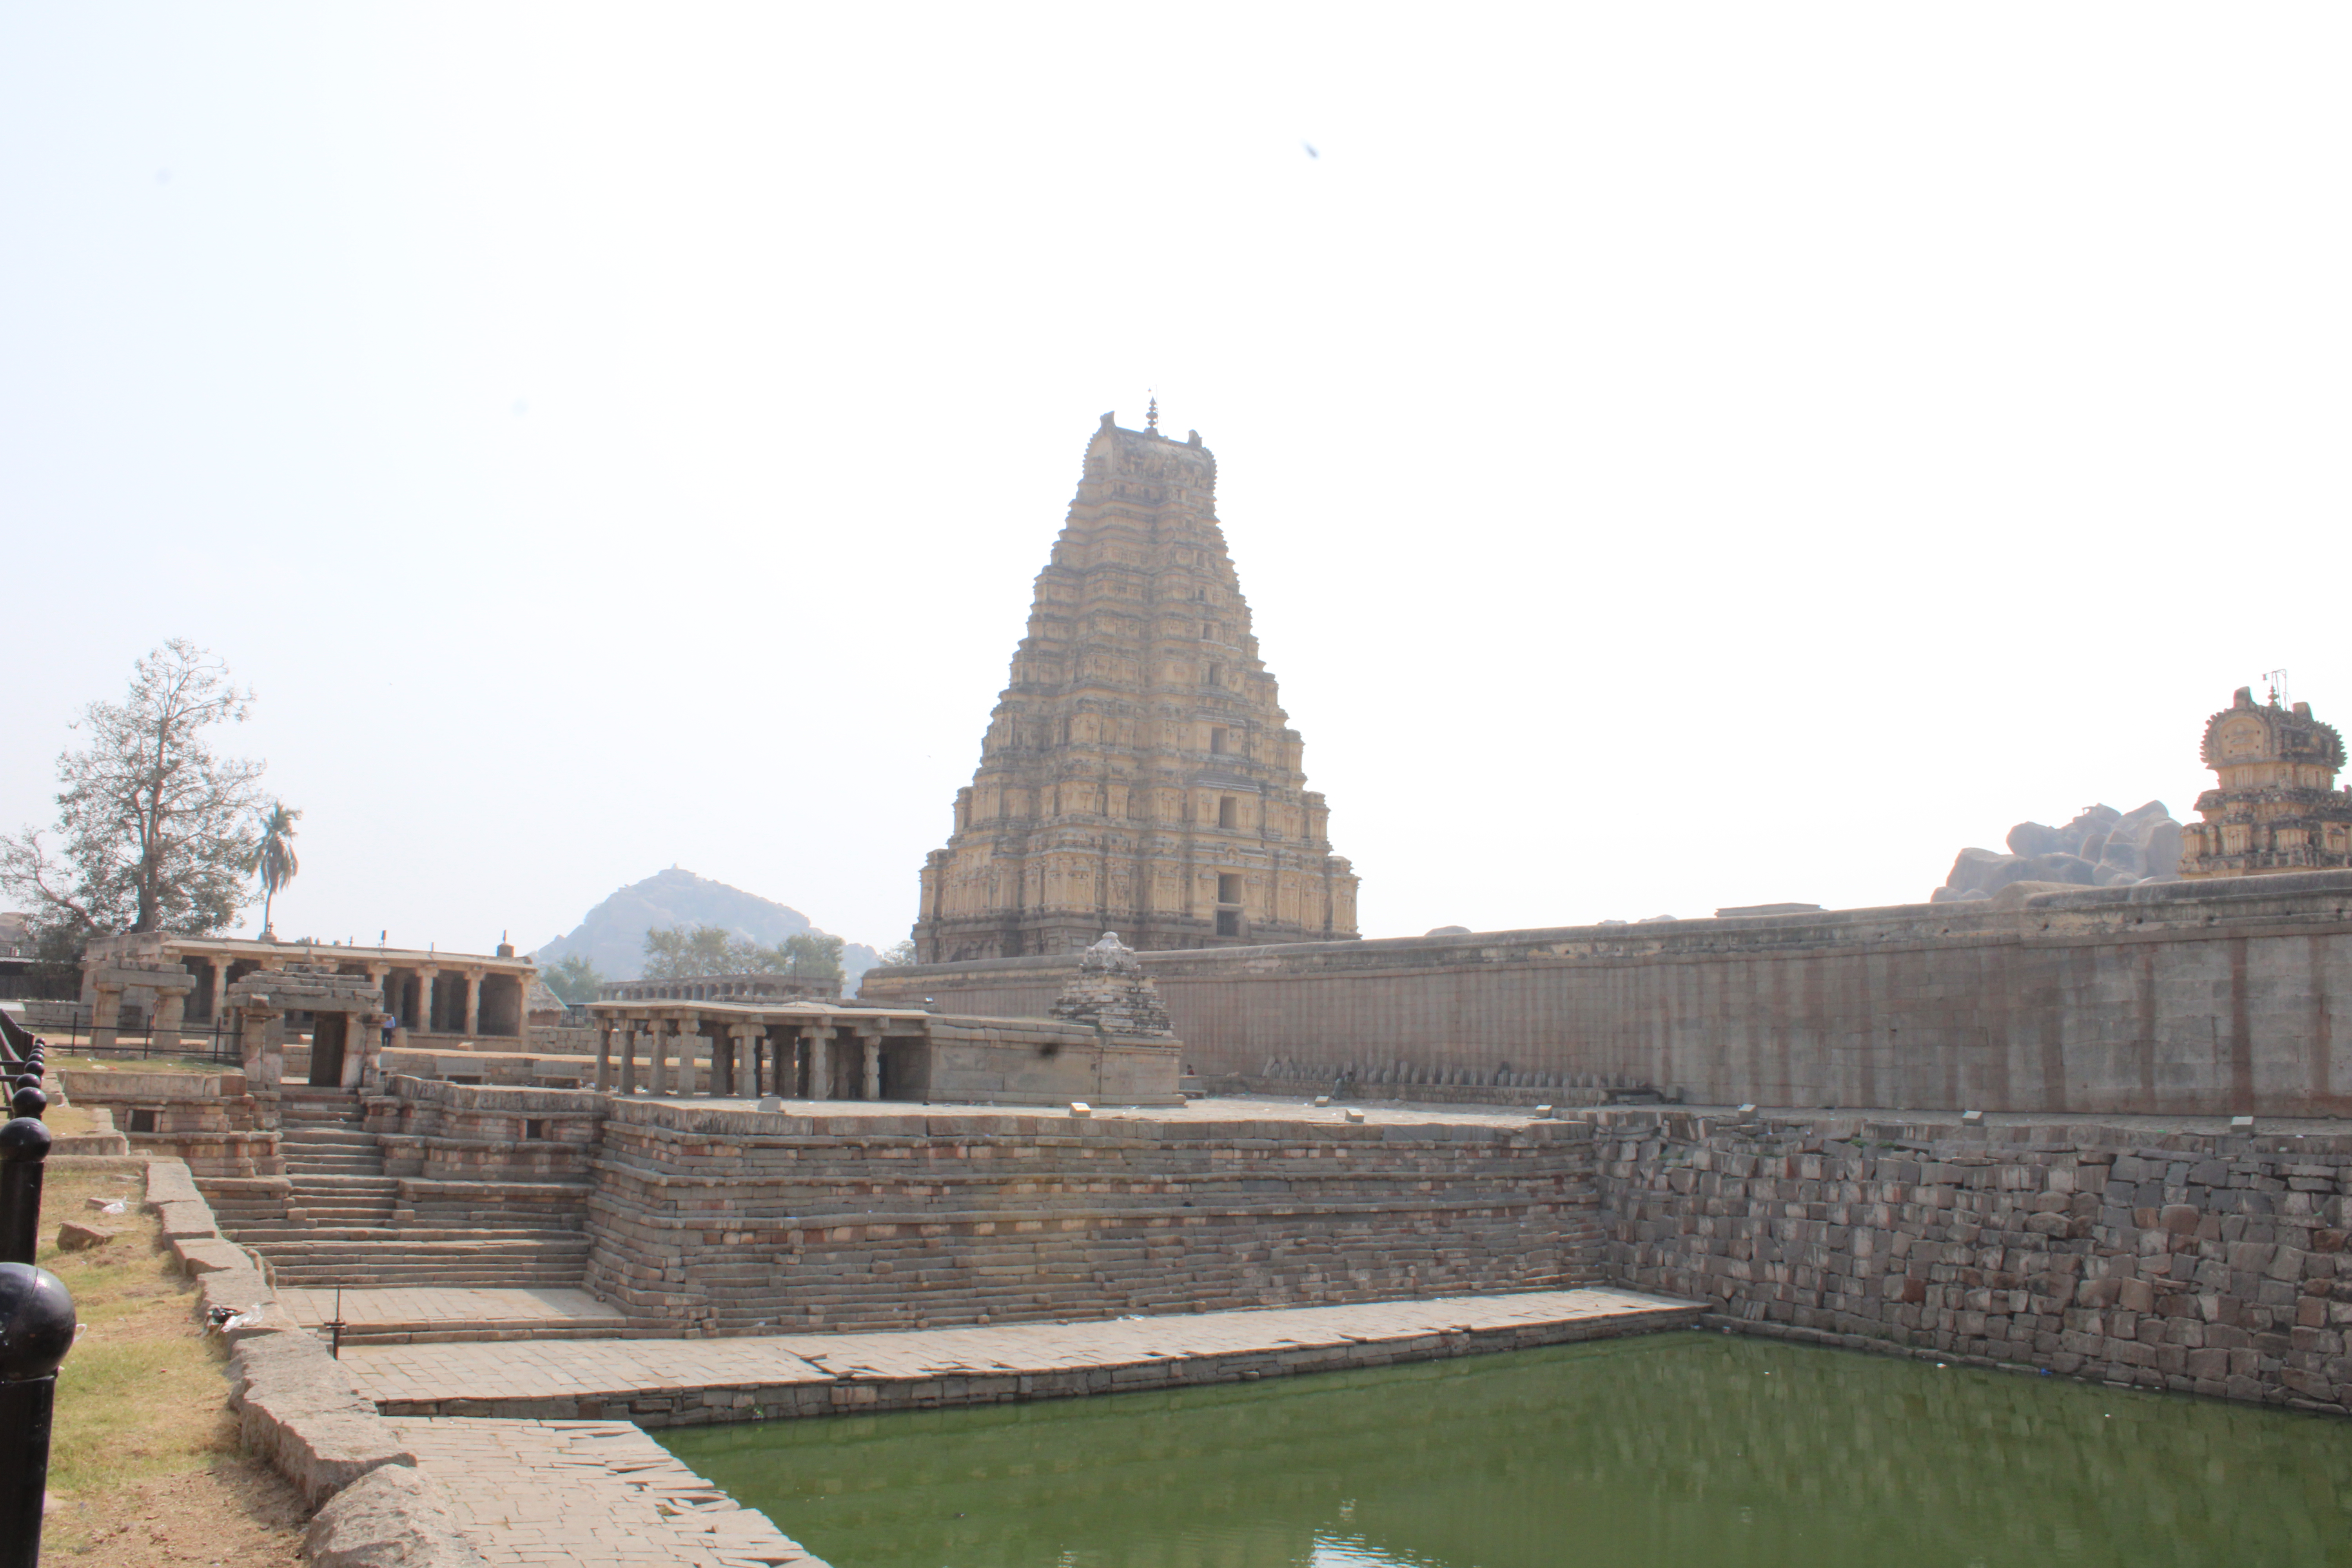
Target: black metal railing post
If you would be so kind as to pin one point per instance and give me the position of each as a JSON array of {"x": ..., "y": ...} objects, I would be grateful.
[
  {"x": 23, "y": 1153},
  {"x": 36, "y": 1329},
  {"x": 36, "y": 1322}
]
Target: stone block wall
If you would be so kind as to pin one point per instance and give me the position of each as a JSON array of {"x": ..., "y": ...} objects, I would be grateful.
[
  {"x": 463, "y": 1133},
  {"x": 2197, "y": 1263},
  {"x": 718, "y": 1222},
  {"x": 205, "y": 1119},
  {"x": 1035, "y": 1063},
  {"x": 2169, "y": 999}
]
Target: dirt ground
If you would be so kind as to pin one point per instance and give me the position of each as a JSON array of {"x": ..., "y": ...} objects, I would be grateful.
[{"x": 144, "y": 1466}]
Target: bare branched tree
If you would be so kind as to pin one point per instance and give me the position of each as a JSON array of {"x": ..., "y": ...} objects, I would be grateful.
[{"x": 155, "y": 831}]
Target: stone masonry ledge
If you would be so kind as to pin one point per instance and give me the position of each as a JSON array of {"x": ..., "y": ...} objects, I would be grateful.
[
  {"x": 298, "y": 1409},
  {"x": 680, "y": 1383}
]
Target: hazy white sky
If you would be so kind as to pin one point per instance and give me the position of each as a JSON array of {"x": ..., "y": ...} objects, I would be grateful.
[{"x": 1678, "y": 456}]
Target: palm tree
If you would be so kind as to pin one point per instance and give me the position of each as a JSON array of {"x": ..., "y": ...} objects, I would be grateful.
[{"x": 274, "y": 856}]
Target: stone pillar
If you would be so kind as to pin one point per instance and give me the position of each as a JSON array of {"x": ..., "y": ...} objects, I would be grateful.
[
  {"x": 743, "y": 1061},
  {"x": 219, "y": 1008},
  {"x": 105, "y": 1014},
  {"x": 603, "y": 1056},
  {"x": 360, "y": 1037},
  {"x": 423, "y": 1022},
  {"x": 629, "y": 1058},
  {"x": 691, "y": 1042},
  {"x": 658, "y": 1069},
  {"x": 473, "y": 1003},
  {"x": 171, "y": 1006},
  {"x": 873, "y": 1086},
  {"x": 820, "y": 1067}
]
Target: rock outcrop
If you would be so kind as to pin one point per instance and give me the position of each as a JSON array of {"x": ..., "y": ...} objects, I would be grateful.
[{"x": 2101, "y": 848}]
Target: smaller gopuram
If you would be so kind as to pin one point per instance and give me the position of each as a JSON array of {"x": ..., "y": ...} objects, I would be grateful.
[{"x": 2278, "y": 809}]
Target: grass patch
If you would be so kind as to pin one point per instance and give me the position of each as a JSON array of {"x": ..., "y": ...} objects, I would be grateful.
[
  {"x": 66, "y": 1120},
  {"x": 144, "y": 1465},
  {"x": 139, "y": 1064}
]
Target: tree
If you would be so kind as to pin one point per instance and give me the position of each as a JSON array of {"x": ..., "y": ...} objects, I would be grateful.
[
  {"x": 903, "y": 952},
  {"x": 274, "y": 858},
  {"x": 811, "y": 955},
  {"x": 156, "y": 832},
  {"x": 576, "y": 979},
  {"x": 678, "y": 954}
]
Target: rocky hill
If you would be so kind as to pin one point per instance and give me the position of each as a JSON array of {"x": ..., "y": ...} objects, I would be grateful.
[
  {"x": 612, "y": 936},
  {"x": 2101, "y": 848}
]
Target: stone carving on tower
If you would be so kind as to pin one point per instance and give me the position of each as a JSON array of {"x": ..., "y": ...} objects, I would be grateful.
[
  {"x": 1138, "y": 772},
  {"x": 2277, "y": 809}
]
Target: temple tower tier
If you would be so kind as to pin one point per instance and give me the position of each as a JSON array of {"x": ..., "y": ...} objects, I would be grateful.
[
  {"x": 2278, "y": 809},
  {"x": 1139, "y": 773}
]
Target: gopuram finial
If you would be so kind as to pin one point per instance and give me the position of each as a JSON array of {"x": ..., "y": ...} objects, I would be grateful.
[{"x": 1151, "y": 415}]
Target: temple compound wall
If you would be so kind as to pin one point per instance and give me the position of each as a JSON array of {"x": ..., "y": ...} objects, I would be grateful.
[{"x": 2211, "y": 997}]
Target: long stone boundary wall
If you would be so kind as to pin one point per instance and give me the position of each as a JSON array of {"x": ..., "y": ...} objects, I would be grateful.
[
  {"x": 719, "y": 1222},
  {"x": 2169, "y": 999},
  {"x": 2200, "y": 1264}
]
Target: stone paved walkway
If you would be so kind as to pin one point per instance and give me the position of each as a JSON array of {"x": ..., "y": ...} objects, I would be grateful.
[
  {"x": 675, "y": 1381},
  {"x": 593, "y": 1494}
]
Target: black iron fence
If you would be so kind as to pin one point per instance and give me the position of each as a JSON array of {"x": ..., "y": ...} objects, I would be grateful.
[{"x": 69, "y": 1028}]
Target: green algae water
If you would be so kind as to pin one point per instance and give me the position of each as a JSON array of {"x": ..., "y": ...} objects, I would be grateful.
[{"x": 1671, "y": 1450}]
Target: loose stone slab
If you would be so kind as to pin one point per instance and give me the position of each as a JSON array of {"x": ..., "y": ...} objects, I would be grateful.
[
  {"x": 593, "y": 1494},
  {"x": 662, "y": 1383}
]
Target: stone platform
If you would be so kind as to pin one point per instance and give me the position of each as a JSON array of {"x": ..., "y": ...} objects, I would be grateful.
[
  {"x": 665, "y": 1382},
  {"x": 426, "y": 1314}
]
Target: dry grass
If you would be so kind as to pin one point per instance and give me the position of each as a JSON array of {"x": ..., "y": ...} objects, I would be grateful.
[
  {"x": 61, "y": 1056},
  {"x": 144, "y": 1466},
  {"x": 64, "y": 1120}
]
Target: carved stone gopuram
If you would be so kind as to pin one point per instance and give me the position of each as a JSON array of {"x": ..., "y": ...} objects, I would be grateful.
[
  {"x": 1138, "y": 772},
  {"x": 2278, "y": 809},
  {"x": 1112, "y": 993}
]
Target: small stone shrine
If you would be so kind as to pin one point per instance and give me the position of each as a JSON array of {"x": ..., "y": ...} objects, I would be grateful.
[
  {"x": 1110, "y": 993},
  {"x": 2278, "y": 809},
  {"x": 346, "y": 1014}
]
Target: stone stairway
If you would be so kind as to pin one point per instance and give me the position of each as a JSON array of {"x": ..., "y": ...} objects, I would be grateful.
[{"x": 339, "y": 1220}]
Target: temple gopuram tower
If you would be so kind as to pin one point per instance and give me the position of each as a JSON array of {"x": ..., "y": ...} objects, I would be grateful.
[
  {"x": 2278, "y": 809},
  {"x": 1139, "y": 775}
]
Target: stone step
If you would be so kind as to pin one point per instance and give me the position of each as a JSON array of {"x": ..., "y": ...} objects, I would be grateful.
[
  {"x": 481, "y": 1329},
  {"x": 326, "y": 1137},
  {"x": 327, "y": 1278},
  {"x": 281, "y": 1234}
]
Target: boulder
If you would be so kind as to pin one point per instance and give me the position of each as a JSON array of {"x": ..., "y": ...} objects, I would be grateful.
[
  {"x": 1983, "y": 871},
  {"x": 393, "y": 1517},
  {"x": 2101, "y": 847}
]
